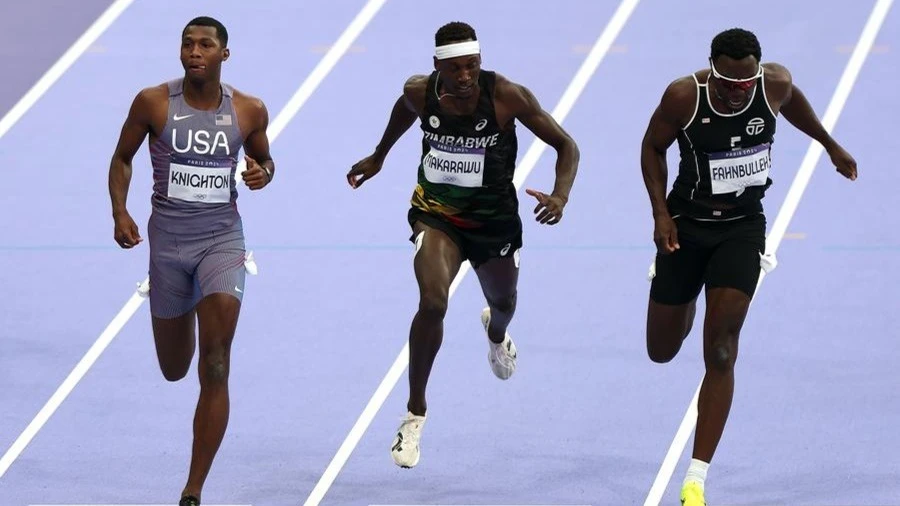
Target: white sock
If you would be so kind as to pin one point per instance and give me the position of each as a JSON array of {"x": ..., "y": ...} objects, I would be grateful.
[{"x": 697, "y": 472}]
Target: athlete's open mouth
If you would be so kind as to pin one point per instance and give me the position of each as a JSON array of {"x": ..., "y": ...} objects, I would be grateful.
[
  {"x": 197, "y": 68},
  {"x": 736, "y": 102}
]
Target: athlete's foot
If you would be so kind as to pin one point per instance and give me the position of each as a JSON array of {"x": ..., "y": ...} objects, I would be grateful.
[
  {"x": 692, "y": 494},
  {"x": 405, "y": 448},
  {"x": 502, "y": 356},
  {"x": 189, "y": 500}
]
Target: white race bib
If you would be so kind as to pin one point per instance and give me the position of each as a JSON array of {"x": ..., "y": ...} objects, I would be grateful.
[
  {"x": 733, "y": 171},
  {"x": 459, "y": 166},
  {"x": 211, "y": 185}
]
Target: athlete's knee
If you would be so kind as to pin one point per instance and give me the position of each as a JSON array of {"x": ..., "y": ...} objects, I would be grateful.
[
  {"x": 721, "y": 337},
  {"x": 505, "y": 304},
  {"x": 215, "y": 364},
  {"x": 721, "y": 357},
  {"x": 433, "y": 305},
  {"x": 721, "y": 353},
  {"x": 661, "y": 351},
  {"x": 174, "y": 373}
]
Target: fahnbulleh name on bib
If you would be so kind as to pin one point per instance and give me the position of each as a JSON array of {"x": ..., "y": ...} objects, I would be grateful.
[{"x": 733, "y": 171}]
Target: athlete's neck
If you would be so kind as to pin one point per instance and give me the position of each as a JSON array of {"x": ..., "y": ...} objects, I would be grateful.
[{"x": 203, "y": 95}]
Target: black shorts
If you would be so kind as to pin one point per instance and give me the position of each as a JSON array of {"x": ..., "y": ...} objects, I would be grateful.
[
  {"x": 493, "y": 240},
  {"x": 723, "y": 254}
]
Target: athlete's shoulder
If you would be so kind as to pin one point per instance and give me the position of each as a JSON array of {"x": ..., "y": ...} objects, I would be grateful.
[
  {"x": 779, "y": 83},
  {"x": 149, "y": 104},
  {"x": 153, "y": 95},
  {"x": 511, "y": 93},
  {"x": 416, "y": 85},
  {"x": 680, "y": 99},
  {"x": 776, "y": 71},
  {"x": 251, "y": 109},
  {"x": 247, "y": 100},
  {"x": 414, "y": 90},
  {"x": 503, "y": 84},
  {"x": 777, "y": 74},
  {"x": 684, "y": 88}
]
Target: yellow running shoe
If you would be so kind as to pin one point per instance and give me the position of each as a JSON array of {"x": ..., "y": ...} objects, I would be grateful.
[{"x": 692, "y": 494}]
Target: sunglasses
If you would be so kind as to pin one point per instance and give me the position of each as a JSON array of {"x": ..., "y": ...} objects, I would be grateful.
[{"x": 733, "y": 84}]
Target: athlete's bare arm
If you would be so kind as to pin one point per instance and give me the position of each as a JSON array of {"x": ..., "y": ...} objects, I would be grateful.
[
  {"x": 406, "y": 110},
  {"x": 671, "y": 115},
  {"x": 146, "y": 116},
  {"x": 514, "y": 101},
  {"x": 785, "y": 97},
  {"x": 254, "y": 123}
]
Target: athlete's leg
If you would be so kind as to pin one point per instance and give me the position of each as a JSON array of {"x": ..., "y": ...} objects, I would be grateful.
[
  {"x": 673, "y": 292},
  {"x": 499, "y": 278},
  {"x": 732, "y": 276},
  {"x": 221, "y": 275},
  {"x": 726, "y": 309},
  {"x": 175, "y": 343},
  {"x": 218, "y": 316},
  {"x": 437, "y": 261},
  {"x": 172, "y": 299},
  {"x": 667, "y": 327}
]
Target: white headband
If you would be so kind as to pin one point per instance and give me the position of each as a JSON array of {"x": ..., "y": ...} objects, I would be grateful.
[{"x": 457, "y": 49}]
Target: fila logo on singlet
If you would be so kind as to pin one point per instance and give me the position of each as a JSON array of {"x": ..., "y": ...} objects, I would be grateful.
[
  {"x": 755, "y": 126},
  {"x": 198, "y": 142}
]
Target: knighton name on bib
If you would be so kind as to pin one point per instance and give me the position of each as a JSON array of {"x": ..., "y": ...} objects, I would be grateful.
[{"x": 191, "y": 183}]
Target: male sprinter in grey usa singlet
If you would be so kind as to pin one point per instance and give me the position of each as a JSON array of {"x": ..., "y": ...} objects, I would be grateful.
[{"x": 197, "y": 127}]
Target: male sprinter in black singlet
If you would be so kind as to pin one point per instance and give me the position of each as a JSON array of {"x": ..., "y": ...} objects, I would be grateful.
[
  {"x": 711, "y": 229},
  {"x": 465, "y": 206}
]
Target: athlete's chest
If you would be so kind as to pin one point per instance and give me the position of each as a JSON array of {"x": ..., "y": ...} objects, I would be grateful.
[
  {"x": 710, "y": 132},
  {"x": 734, "y": 150},
  {"x": 457, "y": 148}
]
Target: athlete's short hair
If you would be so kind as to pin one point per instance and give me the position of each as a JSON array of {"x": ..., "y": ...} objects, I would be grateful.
[
  {"x": 455, "y": 31},
  {"x": 735, "y": 43},
  {"x": 221, "y": 32}
]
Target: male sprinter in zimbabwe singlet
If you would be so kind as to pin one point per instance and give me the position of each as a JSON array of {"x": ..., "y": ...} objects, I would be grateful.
[
  {"x": 465, "y": 206},
  {"x": 711, "y": 229},
  {"x": 197, "y": 127}
]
